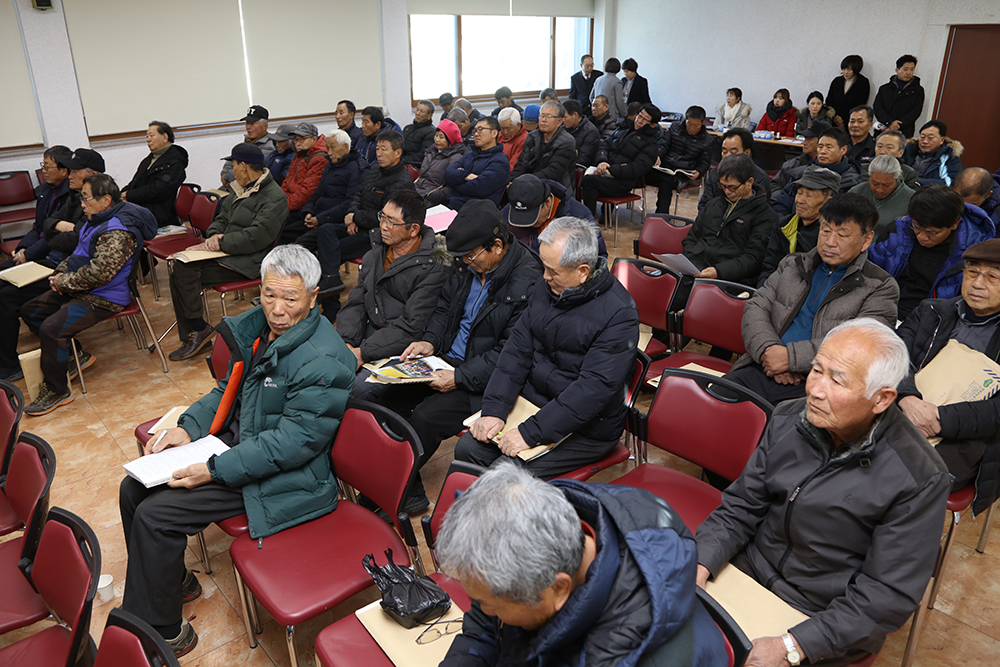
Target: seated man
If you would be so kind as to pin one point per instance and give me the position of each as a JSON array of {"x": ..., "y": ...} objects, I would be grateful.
[
  {"x": 923, "y": 250},
  {"x": 869, "y": 494},
  {"x": 461, "y": 119},
  {"x": 810, "y": 151},
  {"x": 831, "y": 152},
  {"x": 685, "y": 145},
  {"x": 512, "y": 134},
  {"x": 892, "y": 142},
  {"x": 862, "y": 148},
  {"x": 418, "y": 136},
  {"x": 798, "y": 232},
  {"x": 977, "y": 187},
  {"x": 550, "y": 151},
  {"x": 623, "y": 159},
  {"x": 967, "y": 430},
  {"x": 808, "y": 295},
  {"x": 885, "y": 189},
  {"x": 570, "y": 354},
  {"x": 447, "y": 103},
  {"x": 530, "y": 117},
  {"x": 603, "y": 120},
  {"x": 471, "y": 111},
  {"x": 729, "y": 238},
  {"x": 344, "y": 116},
  {"x": 278, "y": 425},
  {"x": 304, "y": 175},
  {"x": 582, "y": 82},
  {"x": 734, "y": 141},
  {"x": 256, "y": 134},
  {"x": 373, "y": 124},
  {"x": 934, "y": 156},
  {"x": 51, "y": 194},
  {"x": 483, "y": 172},
  {"x": 397, "y": 290},
  {"x": 245, "y": 228},
  {"x": 548, "y": 95},
  {"x": 487, "y": 288},
  {"x": 88, "y": 286},
  {"x": 505, "y": 100},
  {"x": 586, "y": 136},
  {"x": 284, "y": 150},
  {"x": 159, "y": 175},
  {"x": 595, "y": 554},
  {"x": 534, "y": 203}
]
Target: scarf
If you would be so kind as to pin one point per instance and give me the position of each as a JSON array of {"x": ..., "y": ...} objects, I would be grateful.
[
  {"x": 774, "y": 113},
  {"x": 730, "y": 113}
]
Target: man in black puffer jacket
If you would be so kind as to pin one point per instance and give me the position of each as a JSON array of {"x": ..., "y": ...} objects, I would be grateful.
[
  {"x": 155, "y": 183},
  {"x": 586, "y": 136},
  {"x": 418, "y": 136},
  {"x": 550, "y": 151},
  {"x": 623, "y": 159},
  {"x": 685, "y": 145}
]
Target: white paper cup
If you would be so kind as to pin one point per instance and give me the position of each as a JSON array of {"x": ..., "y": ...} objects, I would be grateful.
[{"x": 106, "y": 588}]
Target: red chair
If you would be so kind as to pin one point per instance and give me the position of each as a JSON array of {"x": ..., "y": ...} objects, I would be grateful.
[
  {"x": 691, "y": 185},
  {"x": 16, "y": 188},
  {"x": 185, "y": 199},
  {"x": 413, "y": 171},
  {"x": 11, "y": 411},
  {"x": 305, "y": 570},
  {"x": 713, "y": 314},
  {"x": 236, "y": 286},
  {"x": 577, "y": 177},
  {"x": 346, "y": 643},
  {"x": 615, "y": 202},
  {"x": 653, "y": 287},
  {"x": 660, "y": 236},
  {"x": 65, "y": 572},
  {"x": 131, "y": 642},
  {"x": 710, "y": 421},
  {"x": 201, "y": 213}
]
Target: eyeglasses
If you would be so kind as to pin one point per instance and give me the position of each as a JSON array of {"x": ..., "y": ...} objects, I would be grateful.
[
  {"x": 929, "y": 232},
  {"x": 546, "y": 116},
  {"x": 731, "y": 188},
  {"x": 86, "y": 199},
  {"x": 478, "y": 129},
  {"x": 386, "y": 221},
  {"x": 470, "y": 260},
  {"x": 433, "y": 633},
  {"x": 46, "y": 167},
  {"x": 992, "y": 278}
]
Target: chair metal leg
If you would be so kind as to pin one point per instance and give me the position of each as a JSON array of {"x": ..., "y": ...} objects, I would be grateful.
[
  {"x": 204, "y": 553},
  {"x": 79, "y": 370},
  {"x": 152, "y": 334},
  {"x": 135, "y": 333},
  {"x": 254, "y": 616},
  {"x": 290, "y": 639},
  {"x": 943, "y": 558},
  {"x": 984, "y": 536},
  {"x": 222, "y": 300},
  {"x": 152, "y": 275},
  {"x": 916, "y": 629},
  {"x": 241, "y": 589}
]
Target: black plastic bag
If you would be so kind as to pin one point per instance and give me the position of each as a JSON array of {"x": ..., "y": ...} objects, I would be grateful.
[{"x": 406, "y": 596}]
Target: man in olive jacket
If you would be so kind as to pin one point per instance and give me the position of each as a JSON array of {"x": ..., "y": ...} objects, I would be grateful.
[
  {"x": 245, "y": 228},
  {"x": 278, "y": 410}
]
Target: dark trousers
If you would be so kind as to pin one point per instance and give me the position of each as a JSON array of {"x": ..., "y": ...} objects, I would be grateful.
[
  {"x": 157, "y": 522},
  {"x": 186, "y": 283},
  {"x": 293, "y": 227},
  {"x": 574, "y": 452},
  {"x": 592, "y": 187},
  {"x": 667, "y": 185},
  {"x": 336, "y": 245},
  {"x": 55, "y": 318},
  {"x": 11, "y": 300},
  {"x": 754, "y": 378}
]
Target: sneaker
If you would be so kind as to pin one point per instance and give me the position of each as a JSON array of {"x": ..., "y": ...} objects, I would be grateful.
[
  {"x": 11, "y": 374},
  {"x": 185, "y": 642},
  {"x": 416, "y": 504},
  {"x": 86, "y": 361},
  {"x": 47, "y": 401},
  {"x": 190, "y": 588},
  {"x": 197, "y": 340}
]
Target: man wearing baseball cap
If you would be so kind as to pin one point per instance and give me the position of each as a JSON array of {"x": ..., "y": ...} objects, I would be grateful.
[
  {"x": 304, "y": 174},
  {"x": 256, "y": 125},
  {"x": 284, "y": 150},
  {"x": 245, "y": 227},
  {"x": 535, "y": 202}
]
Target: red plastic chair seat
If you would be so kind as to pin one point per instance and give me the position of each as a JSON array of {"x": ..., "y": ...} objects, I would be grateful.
[
  {"x": 235, "y": 526},
  {"x": 617, "y": 455},
  {"x": 51, "y": 646},
  {"x": 310, "y": 568},
  {"x": 9, "y": 520},
  {"x": 682, "y": 359},
  {"x": 691, "y": 498},
  {"x": 20, "y": 606},
  {"x": 615, "y": 201},
  {"x": 17, "y": 215},
  {"x": 8, "y": 247},
  {"x": 142, "y": 435},
  {"x": 127, "y": 649},
  {"x": 236, "y": 286},
  {"x": 167, "y": 246},
  {"x": 960, "y": 500},
  {"x": 655, "y": 348},
  {"x": 346, "y": 643}
]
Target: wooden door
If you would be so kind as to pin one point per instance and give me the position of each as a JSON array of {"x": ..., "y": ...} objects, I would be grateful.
[{"x": 968, "y": 99}]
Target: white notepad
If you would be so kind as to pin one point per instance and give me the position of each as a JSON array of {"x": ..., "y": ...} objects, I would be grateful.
[{"x": 155, "y": 469}]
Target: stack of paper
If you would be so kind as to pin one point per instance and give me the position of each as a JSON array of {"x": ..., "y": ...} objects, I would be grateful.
[
  {"x": 155, "y": 469},
  {"x": 522, "y": 410},
  {"x": 25, "y": 274},
  {"x": 189, "y": 255}
]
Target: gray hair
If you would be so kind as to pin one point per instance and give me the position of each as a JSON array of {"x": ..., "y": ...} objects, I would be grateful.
[
  {"x": 581, "y": 241},
  {"x": 511, "y": 114},
  {"x": 428, "y": 104},
  {"x": 899, "y": 136},
  {"x": 560, "y": 110},
  {"x": 339, "y": 136},
  {"x": 463, "y": 103},
  {"x": 886, "y": 164},
  {"x": 892, "y": 360},
  {"x": 456, "y": 115},
  {"x": 549, "y": 92},
  {"x": 292, "y": 261},
  {"x": 513, "y": 533}
]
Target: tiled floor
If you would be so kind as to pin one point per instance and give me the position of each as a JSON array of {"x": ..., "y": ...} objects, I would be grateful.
[{"x": 93, "y": 436}]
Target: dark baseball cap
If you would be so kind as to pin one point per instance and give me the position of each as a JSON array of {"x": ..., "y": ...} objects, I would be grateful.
[
  {"x": 526, "y": 194},
  {"x": 255, "y": 113},
  {"x": 304, "y": 130},
  {"x": 477, "y": 222},
  {"x": 85, "y": 158},
  {"x": 284, "y": 132},
  {"x": 819, "y": 178},
  {"x": 815, "y": 129},
  {"x": 248, "y": 153}
]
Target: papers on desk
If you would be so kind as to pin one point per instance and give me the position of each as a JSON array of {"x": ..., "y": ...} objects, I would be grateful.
[
  {"x": 394, "y": 371},
  {"x": 758, "y": 611},
  {"x": 678, "y": 263},
  {"x": 439, "y": 217},
  {"x": 189, "y": 255},
  {"x": 522, "y": 410},
  {"x": 155, "y": 469},
  {"x": 25, "y": 274},
  {"x": 399, "y": 643},
  {"x": 655, "y": 382}
]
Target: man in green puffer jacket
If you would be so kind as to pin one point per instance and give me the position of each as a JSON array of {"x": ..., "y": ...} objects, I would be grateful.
[{"x": 278, "y": 410}]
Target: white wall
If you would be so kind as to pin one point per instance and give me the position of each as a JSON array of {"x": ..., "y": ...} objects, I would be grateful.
[{"x": 692, "y": 52}]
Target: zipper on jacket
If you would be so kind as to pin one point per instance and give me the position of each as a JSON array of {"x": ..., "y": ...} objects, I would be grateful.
[{"x": 933, "y": 336}]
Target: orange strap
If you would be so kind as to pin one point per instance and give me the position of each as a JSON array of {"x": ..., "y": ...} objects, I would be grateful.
[{"x": 229, "y": 396}]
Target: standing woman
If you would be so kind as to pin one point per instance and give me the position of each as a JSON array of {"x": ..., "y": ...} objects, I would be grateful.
[
  {"x": 734, "y": 112},
  {"x": 635, "y": 86},
  {"x": 814, "y": 110},
  {"x": 780, "y": 115},
  {"x": 848, "y": 90},
  {"x": 609, "y": 86}
]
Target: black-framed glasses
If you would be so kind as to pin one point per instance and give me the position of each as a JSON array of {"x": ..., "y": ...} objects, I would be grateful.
[
  {"x": 439, "y": 629},
  {"x": 930, "y": 232},
  {"x": 384, "y": 220},
  {"x": 731, "y": 188}
]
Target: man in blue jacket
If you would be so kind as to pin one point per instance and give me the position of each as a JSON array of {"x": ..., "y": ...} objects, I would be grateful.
[
  {"x": 587, "y": 574},
  {"x": 482, "y": 172},
  {"x": 277, "y": 410}
]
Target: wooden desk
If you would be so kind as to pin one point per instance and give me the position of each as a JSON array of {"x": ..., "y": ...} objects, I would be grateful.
[{"x": 786, "y": 142}]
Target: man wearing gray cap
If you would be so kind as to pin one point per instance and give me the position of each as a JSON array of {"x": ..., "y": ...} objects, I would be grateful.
[
  {"x": 304, "y": 175},
  {"x": 284, "y": 150},
  {"x": 535, "y": 202},
  {"x": 245, "y": 227},
  {"x": 256, "y": 126}
]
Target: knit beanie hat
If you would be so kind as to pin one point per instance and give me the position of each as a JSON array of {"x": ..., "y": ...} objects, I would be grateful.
[{"x": 451, "y": 131}]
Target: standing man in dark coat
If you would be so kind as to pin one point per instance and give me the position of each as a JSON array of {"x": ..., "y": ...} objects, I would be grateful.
[
  {"x": 582, "y": 82},
  {"x": 159, "y": 175},
  {"x": 623, "y": 159},
  {"x": 898, "y": 103},
  {"x": 550, "y": 151}
]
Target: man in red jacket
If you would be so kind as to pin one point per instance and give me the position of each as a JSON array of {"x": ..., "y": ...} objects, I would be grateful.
[{"x": 304, "y": 174}]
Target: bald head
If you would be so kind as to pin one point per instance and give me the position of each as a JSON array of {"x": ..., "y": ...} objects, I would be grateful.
[{"x": 974, "y": 184}]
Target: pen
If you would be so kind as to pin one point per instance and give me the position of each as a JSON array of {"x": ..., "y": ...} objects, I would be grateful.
[{"x": 153, "y": 448}]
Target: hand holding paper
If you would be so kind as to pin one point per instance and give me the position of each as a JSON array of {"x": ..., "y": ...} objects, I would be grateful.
[
  {"x": 511, "y": 443},
  {"x": 485, "y": 429},
  {"x": 169, "y": 438}
]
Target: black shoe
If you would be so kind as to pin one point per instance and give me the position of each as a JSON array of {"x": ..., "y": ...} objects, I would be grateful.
[
  {"x": 196, "y": 341},
  {"x": 191, "y": 589},
  {"x": 416, "y": 504},
  {"x": 330, "y": 286},
  {"x": 11, "y": 374},
  {"x": 86, "y": 361},
  {"x": 47, "y": 401},
  {"x": 185, "y": 642}
]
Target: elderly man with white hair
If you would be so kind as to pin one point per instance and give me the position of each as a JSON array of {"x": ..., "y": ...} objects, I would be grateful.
[
  {"x": 839, "y": 510},
  {"x": 885, "y": 188},
  {"x": 512, "y": 133}
]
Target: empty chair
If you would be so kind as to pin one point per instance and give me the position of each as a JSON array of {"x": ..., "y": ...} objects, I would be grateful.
[
  {"x": 11, "y": 411},
  {"x": 185, "y": 199},
  {"x": 653, "y": 287},
  {"x": 16, "y": 188},
  {"x": 131, "y": 642},
  {"x": 662, "y": 235}
]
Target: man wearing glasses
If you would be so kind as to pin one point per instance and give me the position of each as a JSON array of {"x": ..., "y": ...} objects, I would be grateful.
[
  {"x": 550, "y": 151},
  {"x": 302, "y": 179},
  {"x": 968, "y": 430},
  {"x": 482, "y": 172},
  {"x": 923, "y": 251},
  {"x": 397, "y": 290}
]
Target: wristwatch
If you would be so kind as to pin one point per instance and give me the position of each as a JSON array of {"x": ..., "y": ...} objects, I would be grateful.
[{"x": 792, "y": 656}]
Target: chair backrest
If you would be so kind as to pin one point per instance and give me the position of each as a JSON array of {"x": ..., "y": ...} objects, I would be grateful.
[
  {"x": 577, "y": 177},
  {"x": 65, "y": 572},
  {"x": 710, "y": 421},
  {"x": 413, "y": 171},
  {"x": 370, "y": 433},
  {"x": 459, "y": 477},
  {"x": 738, "y": 645},
  {"x": 642, "y": 362},
  {"x": 185, "y": 198},
  {"x": 32, "y": 469},
  {"x": 128, "y": 641},
  {"x": 652, "y": 286},
  {"x": 660, "y": 235},
  {"x": 203, "y": 209},
  {"x": 40, "y": 175},
  {"x": 714, "y": 312},
  {"x": 15, "y": 188},
  {"x": 11, "y": 411},
  {"x": 218, "y": 361}
]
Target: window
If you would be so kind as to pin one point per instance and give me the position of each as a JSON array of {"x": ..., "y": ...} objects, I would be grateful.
[{"x": 469, "y": 57}]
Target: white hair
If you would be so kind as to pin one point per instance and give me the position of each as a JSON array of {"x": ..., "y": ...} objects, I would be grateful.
[
  {"x": 886, "y": 164},
  {"x": 892, "y": 360},
  {"x": 341, "y": 137},
  {"x": 292, "y": 261},
  {"x": 581, "y": 245},
  {"x": 509, "y": 114}
]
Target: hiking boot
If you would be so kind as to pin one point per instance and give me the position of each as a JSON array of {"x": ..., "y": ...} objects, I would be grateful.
[
  {"x": 197, "y": 340},
  {"x": 185, "y": 642},
  {"x": 47, "y": 401},
  {"x": 416, "y": 504},
  {"x": 86, "y": 361},
  {"x": 11, "y": 374},
  {"x": 191, "y": 589}
]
